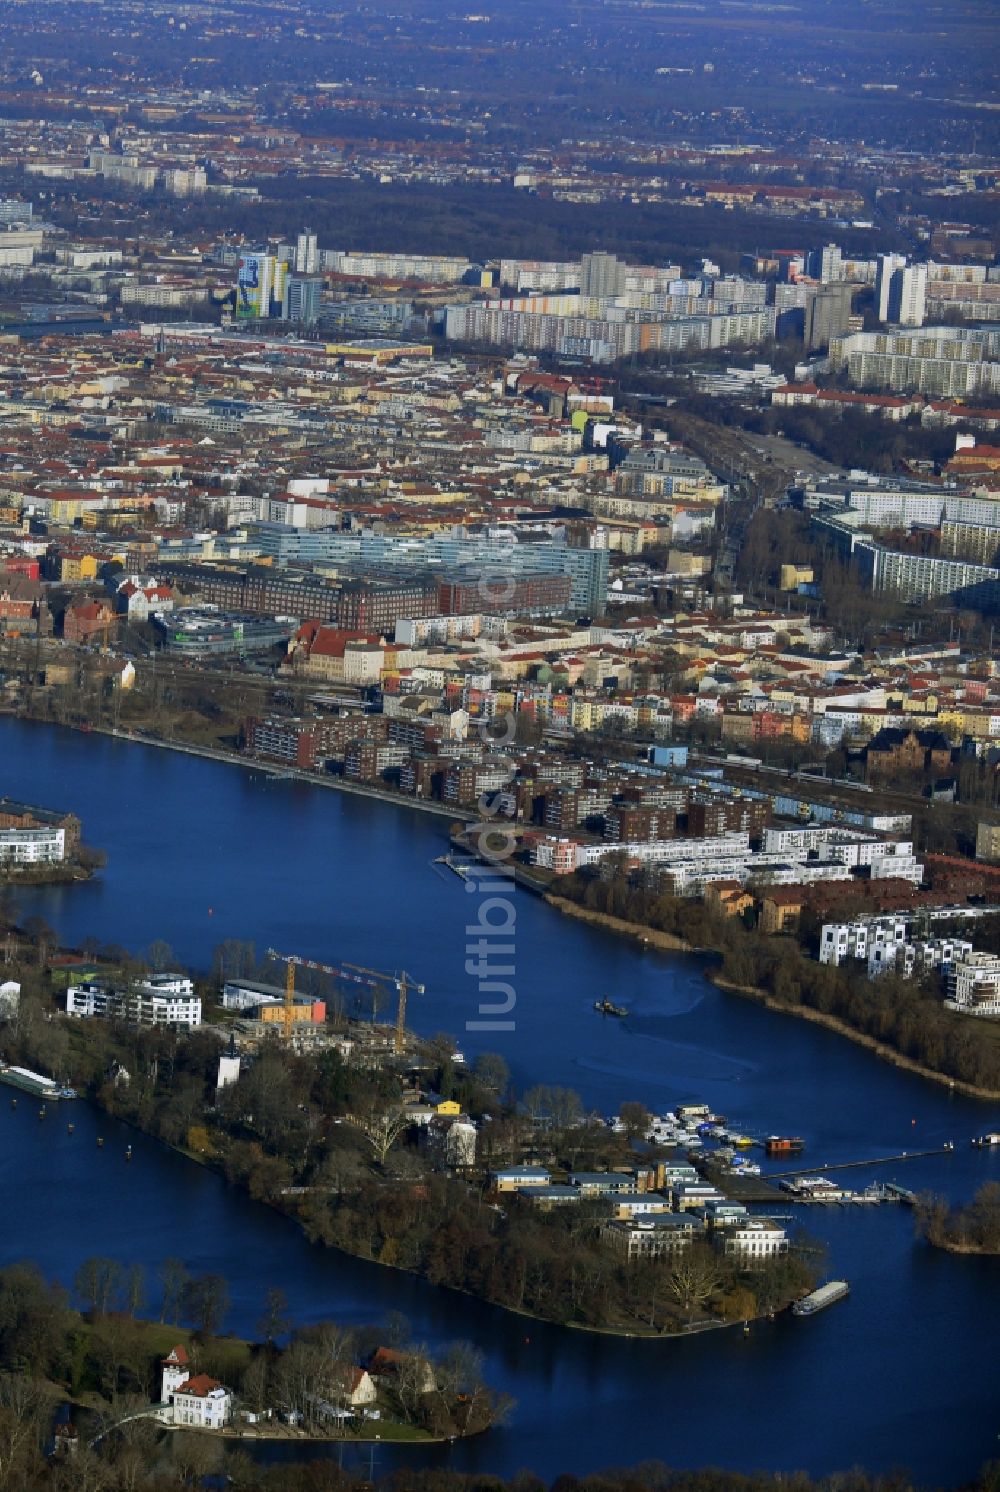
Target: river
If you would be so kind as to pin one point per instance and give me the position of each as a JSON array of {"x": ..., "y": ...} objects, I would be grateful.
[{"x": 902, "y": 1373}]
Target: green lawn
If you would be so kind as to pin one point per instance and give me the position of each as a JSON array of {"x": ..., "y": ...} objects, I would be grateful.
[{"x": 158, "y": 1338}]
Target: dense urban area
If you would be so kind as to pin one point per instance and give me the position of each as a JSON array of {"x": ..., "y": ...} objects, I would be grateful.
[{"x": 581, "y": 429}]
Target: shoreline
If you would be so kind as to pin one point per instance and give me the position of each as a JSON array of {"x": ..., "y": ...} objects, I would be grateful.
[
  {"x": 271, "y": 769},
  {"x": 971, "y": 1250},
  {"x": 55, "y": 875},
  {"x": 647, "y": 936},
  {"x": 670, "y": 943},
  {"x": 210, "y": 1163}
]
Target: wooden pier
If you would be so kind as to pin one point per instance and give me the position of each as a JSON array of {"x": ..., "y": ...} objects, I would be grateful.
[{"x": 849, "y": 1165}]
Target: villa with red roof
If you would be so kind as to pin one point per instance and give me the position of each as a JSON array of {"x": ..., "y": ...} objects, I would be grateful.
[{"x": 197, "y": 1401}]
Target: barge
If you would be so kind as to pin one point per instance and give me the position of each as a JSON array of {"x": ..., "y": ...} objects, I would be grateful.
[
  {"x": 825, "y": 1296},
  {"x": 34, "y": 1083}
]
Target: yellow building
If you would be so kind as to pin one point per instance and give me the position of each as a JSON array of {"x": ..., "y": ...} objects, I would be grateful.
[
  {"x": 378, "y": 350},
  {"x": 587, "y": 714},
  {"x": 976, "y": 723},
  {"x": 792, "y": 576},
  {"x": 951, "y": 721},
  {"x": 78, "y": 567}
]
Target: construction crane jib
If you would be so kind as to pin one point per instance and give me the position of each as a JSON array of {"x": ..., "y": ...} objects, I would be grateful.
[{"x": 403, "y": 983}]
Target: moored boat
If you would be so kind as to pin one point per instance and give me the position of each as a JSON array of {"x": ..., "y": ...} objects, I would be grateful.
[
  {"x": 34, "y": 1083},
  {"x": 819, "y": 1299},
  {"x": 784, "y": 1145}
]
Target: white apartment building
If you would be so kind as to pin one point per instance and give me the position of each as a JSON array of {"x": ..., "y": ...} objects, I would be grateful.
[
  {"x": 650, "y": 1237},
  {"x": 840, "y": 941},
  {"x": 32, "y": 846},
  {"x": 944, "y": 361},
  {"x": 755, "y": 1241},
  {"x": 974, "y": 984},
  {"x": 908, "y": 295},
  {"x": 885, "y": 956},
  {"x": 162, "y": 1000}
]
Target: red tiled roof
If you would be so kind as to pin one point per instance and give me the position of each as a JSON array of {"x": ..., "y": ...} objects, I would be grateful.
[{"x": 200, "y": 1386}]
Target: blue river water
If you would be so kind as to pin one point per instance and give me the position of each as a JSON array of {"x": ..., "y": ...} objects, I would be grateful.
[{"x": 902, "y": 1373}]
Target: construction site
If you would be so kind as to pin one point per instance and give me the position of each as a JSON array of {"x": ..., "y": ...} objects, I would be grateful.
[{"x": 317, "y": 1006}]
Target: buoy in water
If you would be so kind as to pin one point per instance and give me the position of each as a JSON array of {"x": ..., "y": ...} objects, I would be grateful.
[
  {"x": 128, "y": 1153},
  {"x": 211, "y": 911},
  {"x": 41, "y": 1113},
  {"x": 100, "y": 1140},
  {"x": 13, "y": 1103},
  {"x": 70, "y": 1128}
]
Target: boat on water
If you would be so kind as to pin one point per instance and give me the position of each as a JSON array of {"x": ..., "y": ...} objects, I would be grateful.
[
  {"x": 605, "y": 1007},
  {"x": 34, "y": 1083},
  {"x": 784, "y": 1145},
  {"x": 988, "y": 1140},
  {"x": 819, "y": 1299}
]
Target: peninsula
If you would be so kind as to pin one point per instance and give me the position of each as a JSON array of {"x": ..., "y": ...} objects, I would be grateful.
[{"x": 396, "y": 1150}]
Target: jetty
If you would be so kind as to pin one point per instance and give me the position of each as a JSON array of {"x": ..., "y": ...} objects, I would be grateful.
[{"x": 851, "y": 1165}]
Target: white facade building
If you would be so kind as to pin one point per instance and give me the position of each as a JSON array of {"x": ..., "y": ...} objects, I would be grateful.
[
  {"x": 974, "y": 984},
  {"x": 202, "y": 1403},
  {"x": 198, "y": 1401},
  {"x": 10, "y": 999},
  {"x": 908, "y": 295},
  {"x": 162, "y": 1000},
  {"x": 755, "y": 1240},
  {"x": 32, "y": 846}
]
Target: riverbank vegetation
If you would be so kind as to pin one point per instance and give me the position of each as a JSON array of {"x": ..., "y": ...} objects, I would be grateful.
[
  {"x": 902, "y": 1015},
  {"x": 972, "y": 1229}
]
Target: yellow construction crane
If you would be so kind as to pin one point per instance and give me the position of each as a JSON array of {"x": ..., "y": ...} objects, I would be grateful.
[
  {"x": 357, "y": 974},
  {"x": 291, "y": 959},
  {"x": 402, "y": 983}
]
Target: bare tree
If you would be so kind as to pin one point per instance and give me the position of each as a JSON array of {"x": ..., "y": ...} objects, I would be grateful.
[
  {"x": 273, "y": 1320},
  {"x": 159, "y": 955},
  {"x": 175, "y": 1279},
  {"x": 98, "y": 1281},
  {"x": 382, "y": 1128},
  {"x": 255, "y": 1384},
  {"x": 25, "y": 1409},
  {"x": 694, "y": 1278}
]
